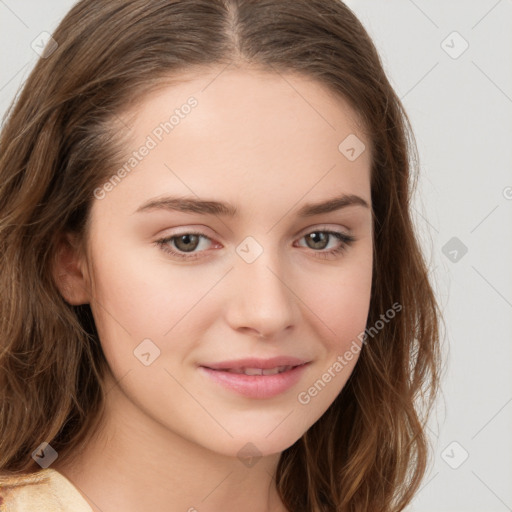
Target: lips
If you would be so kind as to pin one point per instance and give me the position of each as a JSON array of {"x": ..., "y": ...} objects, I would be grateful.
[{"x": 257, "y": 378}]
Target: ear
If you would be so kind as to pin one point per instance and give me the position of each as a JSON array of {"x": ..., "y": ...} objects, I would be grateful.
[{"x": 70, "y": 271}]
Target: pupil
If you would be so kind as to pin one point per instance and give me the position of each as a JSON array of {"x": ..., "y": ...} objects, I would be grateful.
[
  {"x": 187, "y": 240},
  {"x": 317, "y": 239}
]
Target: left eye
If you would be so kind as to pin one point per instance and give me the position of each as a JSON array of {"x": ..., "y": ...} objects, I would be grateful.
[
  {"x": 187, "y": 243},
  {"x": 319, "y": 238}
]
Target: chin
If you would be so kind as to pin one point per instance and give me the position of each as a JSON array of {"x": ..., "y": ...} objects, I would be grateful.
[{"x": 264, "y": 441}]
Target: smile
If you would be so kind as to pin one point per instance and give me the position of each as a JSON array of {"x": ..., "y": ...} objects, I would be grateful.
[{"x": 256, "y": 383}]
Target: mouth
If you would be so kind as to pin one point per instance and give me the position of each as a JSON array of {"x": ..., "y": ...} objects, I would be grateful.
[
  {"x": 255, "y": 382},
  {"x": 257, "y": 371}
]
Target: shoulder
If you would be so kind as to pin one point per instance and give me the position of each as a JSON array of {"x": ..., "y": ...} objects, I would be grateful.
[{"x": 45, "y": 491}]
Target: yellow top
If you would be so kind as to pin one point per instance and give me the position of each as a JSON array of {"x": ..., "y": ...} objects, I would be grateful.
[{"x": 47, "y": 490}]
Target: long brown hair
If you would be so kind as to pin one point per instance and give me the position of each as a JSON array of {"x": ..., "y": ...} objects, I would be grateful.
[{"x": 369, "y": 451}]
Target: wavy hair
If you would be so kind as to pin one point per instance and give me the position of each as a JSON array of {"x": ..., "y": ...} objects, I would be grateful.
[{"x": 369, "y": 451}]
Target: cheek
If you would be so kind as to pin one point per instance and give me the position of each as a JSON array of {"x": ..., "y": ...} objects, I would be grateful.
[
  {"x": 141, "y": 293},
  {"x": 340, "y": 302},
  {"x": 342, "y": 309},
  {"x": 143, "y": 297}
]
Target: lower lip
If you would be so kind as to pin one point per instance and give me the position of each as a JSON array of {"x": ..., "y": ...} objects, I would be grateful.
[{"x": 257, "y": 386}]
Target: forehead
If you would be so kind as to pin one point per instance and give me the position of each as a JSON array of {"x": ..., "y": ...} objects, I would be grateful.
[
  {"x": 250, "y": 134},
  {"x": 261, "y": 102}
]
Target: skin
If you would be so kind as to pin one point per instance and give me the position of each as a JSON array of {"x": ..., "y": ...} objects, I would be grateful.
[{"x": 170, "y": 437}]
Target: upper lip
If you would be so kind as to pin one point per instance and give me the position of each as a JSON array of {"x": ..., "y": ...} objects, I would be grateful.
[{"x": 253, "y": 362}]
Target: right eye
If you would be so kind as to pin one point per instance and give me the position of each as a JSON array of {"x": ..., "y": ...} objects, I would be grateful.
[{"x": 185, "y": 243}]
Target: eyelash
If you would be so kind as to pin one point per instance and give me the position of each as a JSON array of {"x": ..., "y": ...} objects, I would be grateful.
[{"x": 346, "y": 240}]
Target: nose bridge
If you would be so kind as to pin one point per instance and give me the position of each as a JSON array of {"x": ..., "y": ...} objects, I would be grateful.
[{"x": 263, "y": 299}]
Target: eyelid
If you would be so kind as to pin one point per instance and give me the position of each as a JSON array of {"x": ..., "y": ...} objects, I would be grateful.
[
  {"x": 324, "y": 227},
  {"x": 193, "y": 230},
  {"x": 344, "y": 238}
]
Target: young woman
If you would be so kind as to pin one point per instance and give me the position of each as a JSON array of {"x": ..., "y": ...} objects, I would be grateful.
[{"x": 213, "y": 298}]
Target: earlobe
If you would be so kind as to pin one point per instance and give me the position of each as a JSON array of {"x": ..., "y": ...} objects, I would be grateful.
[{"x": 69, "y": 271}]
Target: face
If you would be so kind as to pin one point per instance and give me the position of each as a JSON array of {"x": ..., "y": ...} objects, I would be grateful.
[{"x": 252, "y": 278}]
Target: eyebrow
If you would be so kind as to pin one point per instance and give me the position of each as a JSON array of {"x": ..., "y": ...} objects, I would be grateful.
[{"x": 212, "y": 207}]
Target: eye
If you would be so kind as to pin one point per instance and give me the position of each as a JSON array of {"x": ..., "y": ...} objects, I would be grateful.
[
  {"x": 320, "y": 239},
  {"x": 185, "y": 244}
]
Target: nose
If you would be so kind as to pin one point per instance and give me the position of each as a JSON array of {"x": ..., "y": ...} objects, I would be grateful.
[{"x": 262, "y": 301}]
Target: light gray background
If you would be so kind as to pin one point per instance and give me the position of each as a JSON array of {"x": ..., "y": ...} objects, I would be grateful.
[{"x": 460, "y": 106}]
